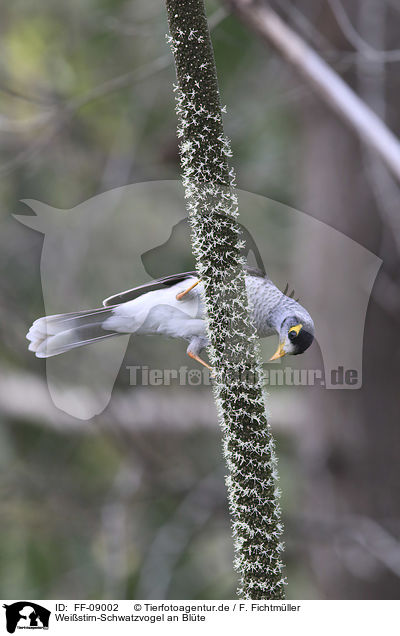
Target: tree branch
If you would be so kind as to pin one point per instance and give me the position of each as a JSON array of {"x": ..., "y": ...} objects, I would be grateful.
[
  {"x": 360, "y": 44},
  {"x": 330, "y": 87},
  {"x": 154, "y": 410}
]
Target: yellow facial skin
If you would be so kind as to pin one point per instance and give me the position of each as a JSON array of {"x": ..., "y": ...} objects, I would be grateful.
[
  {"x": 280, "y": 352},
  {"x": 296, "y": 329}
]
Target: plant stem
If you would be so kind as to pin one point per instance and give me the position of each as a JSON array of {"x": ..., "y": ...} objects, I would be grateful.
[{"x": 212, "y": 204}]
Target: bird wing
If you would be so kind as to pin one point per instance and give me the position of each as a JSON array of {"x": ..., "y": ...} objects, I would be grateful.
[{"x": 158, "y": 283}]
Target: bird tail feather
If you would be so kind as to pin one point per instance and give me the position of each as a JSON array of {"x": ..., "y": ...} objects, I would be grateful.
[{"x": 52, "y": 335}]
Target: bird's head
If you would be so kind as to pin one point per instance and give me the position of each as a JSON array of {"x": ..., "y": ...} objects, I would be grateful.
[{"x": 295, "y": 336}]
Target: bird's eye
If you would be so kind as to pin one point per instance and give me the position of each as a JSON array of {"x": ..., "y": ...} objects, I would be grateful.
[{"x": 294, "y": 331}]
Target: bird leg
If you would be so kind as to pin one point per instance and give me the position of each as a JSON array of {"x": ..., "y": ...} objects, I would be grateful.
[
  {"x": 182, "y": 294},
  {"x": 196, "y": 357}
]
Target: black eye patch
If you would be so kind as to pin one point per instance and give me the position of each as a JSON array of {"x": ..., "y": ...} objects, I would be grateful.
[{"x": 303, "y": 340}]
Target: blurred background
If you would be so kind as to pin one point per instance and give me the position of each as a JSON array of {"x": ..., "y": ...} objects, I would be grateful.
[{"x": 132, "y": 503}]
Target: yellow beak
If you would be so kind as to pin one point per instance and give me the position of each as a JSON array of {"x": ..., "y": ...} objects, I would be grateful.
[{"x": 279, "y": 353}]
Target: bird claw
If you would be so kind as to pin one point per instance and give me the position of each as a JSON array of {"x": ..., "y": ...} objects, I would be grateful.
[{"x": 186, "y": 291}]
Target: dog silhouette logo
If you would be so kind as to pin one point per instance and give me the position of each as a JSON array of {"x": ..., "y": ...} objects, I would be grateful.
[
  {"x": 26, "y": 615},
  {"x": 121, "y": 238}
]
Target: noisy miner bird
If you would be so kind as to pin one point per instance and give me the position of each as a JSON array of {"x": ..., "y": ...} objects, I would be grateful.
[{"x": 173, "y": 306}]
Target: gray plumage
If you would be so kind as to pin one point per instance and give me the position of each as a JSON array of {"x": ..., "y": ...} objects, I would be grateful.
[{"x": 153, "y": 308}]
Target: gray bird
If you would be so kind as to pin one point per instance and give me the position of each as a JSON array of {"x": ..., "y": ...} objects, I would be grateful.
[{"x": 173, "y": 306}]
